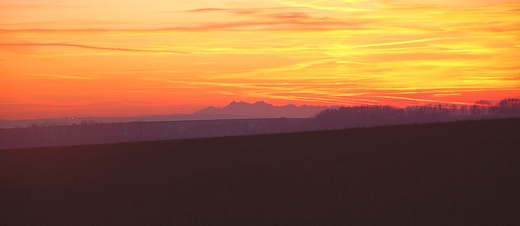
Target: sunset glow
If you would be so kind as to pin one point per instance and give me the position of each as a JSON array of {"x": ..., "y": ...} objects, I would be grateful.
[{"x": 126, "y": 58}]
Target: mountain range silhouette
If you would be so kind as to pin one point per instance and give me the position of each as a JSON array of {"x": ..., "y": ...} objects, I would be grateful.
[{"x": 263, "y": 109}]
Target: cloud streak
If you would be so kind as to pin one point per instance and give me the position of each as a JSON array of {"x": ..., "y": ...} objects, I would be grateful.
[
  {"x": 57, "y": 76},
  {"x": 84, "y": 47}
]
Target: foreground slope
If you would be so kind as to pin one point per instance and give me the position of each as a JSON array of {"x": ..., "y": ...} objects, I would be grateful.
[{"x": 432, "y": 174}]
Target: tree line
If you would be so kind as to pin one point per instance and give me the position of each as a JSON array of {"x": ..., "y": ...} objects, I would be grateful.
[{"x": 377, "y": 115}]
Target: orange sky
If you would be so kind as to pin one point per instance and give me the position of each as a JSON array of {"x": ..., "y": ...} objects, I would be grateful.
[{"x": 126, "y": 58}]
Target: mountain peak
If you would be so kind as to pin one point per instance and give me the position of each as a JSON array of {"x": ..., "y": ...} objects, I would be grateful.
[
  {"x": 236, "y": 103},
  {"x": 262, "y": 103}
]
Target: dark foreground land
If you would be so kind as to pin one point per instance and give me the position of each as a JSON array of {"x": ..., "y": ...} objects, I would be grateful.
[{"x": 461, "y": 173}]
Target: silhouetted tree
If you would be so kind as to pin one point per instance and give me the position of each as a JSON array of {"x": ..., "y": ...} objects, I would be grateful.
[{"x": 510, "y": 107}]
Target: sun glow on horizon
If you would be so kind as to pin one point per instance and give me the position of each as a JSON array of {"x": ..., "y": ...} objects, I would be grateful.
[{"x": 120, "y": 58}]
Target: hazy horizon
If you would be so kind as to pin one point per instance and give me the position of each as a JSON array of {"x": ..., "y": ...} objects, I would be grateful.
[
  {"x": 159, "y": 114},
  {"x": 248, "y": 104}
]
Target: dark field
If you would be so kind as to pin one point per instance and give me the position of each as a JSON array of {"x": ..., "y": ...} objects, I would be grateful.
[{"x": 460, "y": 173}]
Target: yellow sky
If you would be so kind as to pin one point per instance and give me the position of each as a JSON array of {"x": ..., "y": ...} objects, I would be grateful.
[{"x": 117, "y": 58}]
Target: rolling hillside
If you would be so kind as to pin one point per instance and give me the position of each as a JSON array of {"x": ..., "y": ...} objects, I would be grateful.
[{"x": 459, "y": 173}]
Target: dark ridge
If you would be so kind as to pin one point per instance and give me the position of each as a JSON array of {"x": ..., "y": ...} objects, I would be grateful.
[
  {"x": 262, "y": 109},
  {"x": 86, "y": 134},
  {"x": 457, "y": 173}
]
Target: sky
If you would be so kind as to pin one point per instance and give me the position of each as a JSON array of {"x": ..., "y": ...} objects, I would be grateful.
[{"x": 61, "y": 58}]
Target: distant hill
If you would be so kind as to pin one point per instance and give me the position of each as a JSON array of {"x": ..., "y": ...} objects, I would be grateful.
[
  {"x": 101, "y": 133},
  {"x": 262, "y": 109},
  {"x": 458, "y": 173}
]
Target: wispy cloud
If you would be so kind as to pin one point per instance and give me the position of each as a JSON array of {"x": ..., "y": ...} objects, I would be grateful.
[
  {"x": 56, "y": 76},
  {"x": 284, "y": 22},
  {"x": 85, "y": 47},
  {"x": 239, "y": 11}
]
